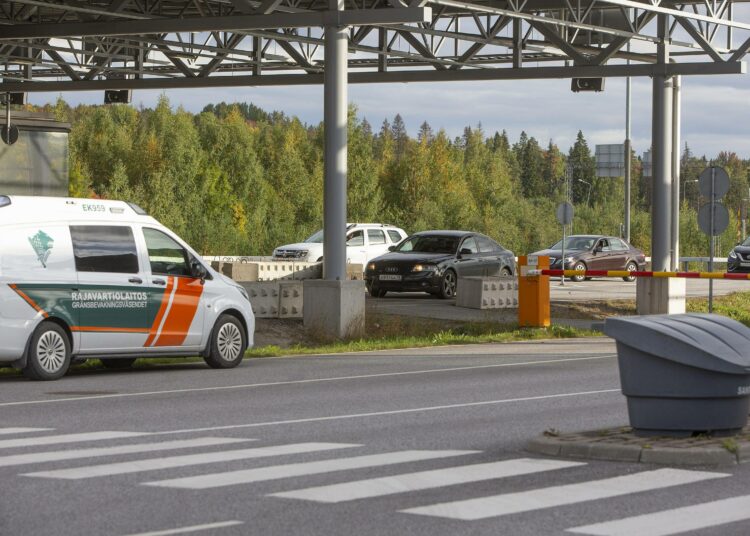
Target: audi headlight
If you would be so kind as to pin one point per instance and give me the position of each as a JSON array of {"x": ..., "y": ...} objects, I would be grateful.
[
  {"x": 423, "y": 268},
  {"x": 569, "y": 260},
  {"x": 371, "y": 266},
  {"x": 732, "y": 254}
]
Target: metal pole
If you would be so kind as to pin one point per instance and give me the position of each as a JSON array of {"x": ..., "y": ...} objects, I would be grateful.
[
  {"x": 628, "y": 89},
  {"x": 562, "y": 252},
  {"x": 713, "y": 242},
  {"x": 662, "y": 174},
  {"x": 675, "y": 172},
  {"x": 335, "y": 117},
  {"x": 7, "y": 117}
]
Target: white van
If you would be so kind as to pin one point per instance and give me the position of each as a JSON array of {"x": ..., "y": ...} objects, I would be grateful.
[{"x": 87, "y": 278}]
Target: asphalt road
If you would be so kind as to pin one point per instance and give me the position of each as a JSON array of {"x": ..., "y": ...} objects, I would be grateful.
[
  {"x": 330, "y": 445},
  {"x": 424, "y": 305}
]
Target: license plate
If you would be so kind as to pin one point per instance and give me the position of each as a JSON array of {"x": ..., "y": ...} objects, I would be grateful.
[
  {"x": 745, "y": 264},
  {"x": 389, "y": 277}
]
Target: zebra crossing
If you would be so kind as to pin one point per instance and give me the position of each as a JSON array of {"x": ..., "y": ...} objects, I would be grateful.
[{"x": 85, "y": 457}]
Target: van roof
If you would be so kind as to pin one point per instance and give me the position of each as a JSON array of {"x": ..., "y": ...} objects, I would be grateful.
[{"x": 19, "y": 209}]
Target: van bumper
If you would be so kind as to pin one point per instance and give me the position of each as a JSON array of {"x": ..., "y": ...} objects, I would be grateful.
[{"x": 14, "y": 334}]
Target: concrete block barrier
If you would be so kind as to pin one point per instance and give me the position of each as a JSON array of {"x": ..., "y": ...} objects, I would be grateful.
[
  {"x": 264, "y": 297},
  {"x": 291, "y": 299},
  {"x": 487, "y": 292}
]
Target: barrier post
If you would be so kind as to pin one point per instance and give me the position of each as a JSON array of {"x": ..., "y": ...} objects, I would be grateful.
[{"x": 533, "y": 292}]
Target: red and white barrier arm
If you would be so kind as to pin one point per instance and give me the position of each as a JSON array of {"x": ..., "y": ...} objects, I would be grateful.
[{"x": 625, "y": 273}]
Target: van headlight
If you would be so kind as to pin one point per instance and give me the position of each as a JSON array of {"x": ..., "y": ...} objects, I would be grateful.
[{"x": 243, "y": 292}]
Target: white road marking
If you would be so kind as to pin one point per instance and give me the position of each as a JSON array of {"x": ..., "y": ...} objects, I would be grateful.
[
  {"x": 194, "y": 528},
  {"x": 300, "y": 382},
  {"x": 73, "y": 454},
  {"x": 537, "y": 499},
  {"x": 262, "y": 474},
  {"x": 686, "y": 519},
  {"x": 378, "y": 487},
  {"x": 391, "y": 412},
  {"x": 154, "y": 464},
  {"x": 66, "y": 438},
  {"x": 10, "y": 431}
]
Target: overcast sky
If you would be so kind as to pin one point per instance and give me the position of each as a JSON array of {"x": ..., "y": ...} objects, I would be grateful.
[{"x": 715, "y": 111}]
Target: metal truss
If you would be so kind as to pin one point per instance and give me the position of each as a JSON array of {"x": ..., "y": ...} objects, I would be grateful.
[{"x": 69, "y": 45}]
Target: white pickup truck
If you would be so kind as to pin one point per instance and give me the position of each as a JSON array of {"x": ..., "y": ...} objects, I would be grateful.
[{"x": 364, "y": 241}]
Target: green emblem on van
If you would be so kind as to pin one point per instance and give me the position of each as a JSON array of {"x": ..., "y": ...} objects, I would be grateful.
[{"x": 42, "y": 244}]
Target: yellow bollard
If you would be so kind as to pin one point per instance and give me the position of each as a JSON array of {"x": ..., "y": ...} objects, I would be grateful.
[{"x": 533, "y": 292}]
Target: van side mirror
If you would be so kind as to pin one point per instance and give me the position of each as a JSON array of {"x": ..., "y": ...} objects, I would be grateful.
[{"x": 198, "y": 271}]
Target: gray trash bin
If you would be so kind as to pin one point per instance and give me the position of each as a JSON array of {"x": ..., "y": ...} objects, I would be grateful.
[{"x": 683, "y": 374}]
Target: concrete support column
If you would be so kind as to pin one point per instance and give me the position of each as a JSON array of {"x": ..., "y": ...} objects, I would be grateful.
[
  {"x": 661, "y": 151},
  {"x": 334, "y": 308},
  {"x": 675, "y": 265},
  {"x": 661, "y": 156},
  {"x": 335, "y": 120}
]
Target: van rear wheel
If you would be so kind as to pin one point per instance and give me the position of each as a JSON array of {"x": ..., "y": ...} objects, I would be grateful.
[
  {"x": 49, "y": 353},
  {"x": 227, "y": 345}
]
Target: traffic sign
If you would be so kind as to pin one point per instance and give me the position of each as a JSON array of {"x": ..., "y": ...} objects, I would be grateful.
[
  {"x": 564, "y": 213},
  {"x": 721, "y": 182},
  {"x": 721, "y": 218}
]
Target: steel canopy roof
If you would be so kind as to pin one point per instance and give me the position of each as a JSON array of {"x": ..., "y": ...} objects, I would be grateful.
[{"x": 119, "y": 44}]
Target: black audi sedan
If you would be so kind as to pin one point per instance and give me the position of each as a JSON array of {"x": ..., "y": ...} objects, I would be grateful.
[
  {"x": 739, "y": 257},
  {"x": 432, "y": 262}
]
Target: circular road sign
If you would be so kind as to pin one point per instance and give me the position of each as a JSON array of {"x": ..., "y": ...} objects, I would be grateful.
[
  {"x": 721, "y": 182},
  {"x": 564, "y": 213},
  {"x": 721, "y": 218}
]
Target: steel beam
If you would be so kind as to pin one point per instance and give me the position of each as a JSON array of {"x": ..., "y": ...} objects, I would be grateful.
[
  {"x": 646, "y": 6},
  {"x": 358, "y": 17},
  {"x": 391, "y": 76}
]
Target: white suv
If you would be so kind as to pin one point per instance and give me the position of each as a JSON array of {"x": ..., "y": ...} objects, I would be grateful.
[{"x": 364, "y": 241}]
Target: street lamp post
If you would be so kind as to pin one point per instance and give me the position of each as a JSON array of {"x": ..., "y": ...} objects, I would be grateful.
[{"x": 588, "y": 196}]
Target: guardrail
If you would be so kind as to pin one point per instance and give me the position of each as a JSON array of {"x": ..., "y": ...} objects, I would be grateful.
[{"x": 625, "y": 273}]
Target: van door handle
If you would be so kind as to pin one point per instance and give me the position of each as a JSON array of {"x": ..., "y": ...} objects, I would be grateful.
[
  {"x": 159, "y": 282},
  {"x": 136, "y": 280}
]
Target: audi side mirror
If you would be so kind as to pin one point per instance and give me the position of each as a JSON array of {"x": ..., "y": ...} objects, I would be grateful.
[{"x": 391, "y": 248}]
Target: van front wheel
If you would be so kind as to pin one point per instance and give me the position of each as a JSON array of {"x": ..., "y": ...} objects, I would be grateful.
[
  {"x": 228, "y": 343},
  {"x": 49, "y": 353}
]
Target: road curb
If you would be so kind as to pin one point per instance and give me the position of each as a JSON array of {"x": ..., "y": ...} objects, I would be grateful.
[{"x": 622, "y": 445}]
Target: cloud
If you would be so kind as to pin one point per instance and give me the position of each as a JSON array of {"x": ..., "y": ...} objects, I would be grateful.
[{"x": 715, "y": 109}]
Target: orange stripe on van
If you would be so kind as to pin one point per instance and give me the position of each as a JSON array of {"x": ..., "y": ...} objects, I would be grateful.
[
  {"x": 182, "y": 312},
  {"x": 162, "y": 309},
  {"x": 95, "y": 329},
  {"x": 29, "y": 301}
]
